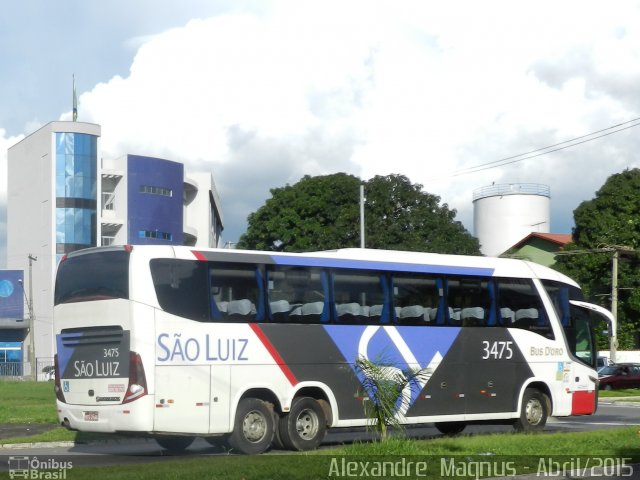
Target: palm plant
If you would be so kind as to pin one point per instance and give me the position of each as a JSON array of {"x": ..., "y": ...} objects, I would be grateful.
[{"x": 389, "y": 390}]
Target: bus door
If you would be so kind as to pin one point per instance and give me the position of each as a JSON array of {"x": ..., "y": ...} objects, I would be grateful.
[{"x": 580, "y": 335}]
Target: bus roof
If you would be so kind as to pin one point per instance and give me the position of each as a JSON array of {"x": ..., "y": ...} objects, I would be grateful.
[
  {"x": 393, "y": 260},
  {"x": 360, "y": 258}
]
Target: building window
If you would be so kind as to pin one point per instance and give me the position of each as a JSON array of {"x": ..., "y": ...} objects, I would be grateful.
[
  {"x": 76, "y": 187},
  {"x": 155, "y": 234},
  {"x": 165, "y": 192}
]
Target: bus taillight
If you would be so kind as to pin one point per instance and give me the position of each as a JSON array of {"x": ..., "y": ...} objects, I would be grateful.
[
  {"x": 57, "y": 386},
  {"x": 137, "y": 380}
]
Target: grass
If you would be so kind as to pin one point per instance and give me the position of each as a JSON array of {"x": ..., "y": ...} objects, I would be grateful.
[
  {"x": 27, "y": 402},
  {"x": 627, "y": 392},
  {"x": 521, "y": 452}
]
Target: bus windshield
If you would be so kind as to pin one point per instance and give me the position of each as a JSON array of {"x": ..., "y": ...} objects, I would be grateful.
[
  {"x": 577, "y": 322},
  {"x": 93, "y": 276}
]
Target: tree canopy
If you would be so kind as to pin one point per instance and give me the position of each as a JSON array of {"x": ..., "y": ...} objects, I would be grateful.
[
  {"x": 609, "y": 222},
  {"x": 323, "y": 213}
]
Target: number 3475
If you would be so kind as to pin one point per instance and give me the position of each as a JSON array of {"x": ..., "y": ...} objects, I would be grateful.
[{"x": 499, "y": 350}]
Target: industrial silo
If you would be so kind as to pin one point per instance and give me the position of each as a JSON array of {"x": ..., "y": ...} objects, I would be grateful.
[{"x": 504, "y": 214}]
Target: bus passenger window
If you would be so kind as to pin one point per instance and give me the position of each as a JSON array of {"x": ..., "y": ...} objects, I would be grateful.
[
  {"x": 469, "y": 302},
  {"x": 360, "y": 297},
  {"x": 181, "y": 287},
  {"x": 520, "y": 307},
  {"x": 416, "y": 298},
  {"x": 235, "y": 292},
  {"x": 297, "y": 294}
]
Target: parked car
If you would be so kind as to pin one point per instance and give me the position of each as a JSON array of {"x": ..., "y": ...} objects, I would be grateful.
[
  {"x": 602, "y": 362},
  {"x": 620, "y": 375}
]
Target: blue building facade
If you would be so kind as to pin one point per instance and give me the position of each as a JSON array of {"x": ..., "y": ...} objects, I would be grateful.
[
  {"x": 155, "y": 201},
  {"x": 13, "y": 326},
  {"x": 76, "y": 162}
]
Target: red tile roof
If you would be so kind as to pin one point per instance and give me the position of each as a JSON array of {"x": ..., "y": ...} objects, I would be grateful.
[{"x": 557, "y": 238}]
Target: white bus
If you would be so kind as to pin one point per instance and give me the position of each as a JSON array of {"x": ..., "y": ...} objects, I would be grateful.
[{"x": 259, "y": 347}]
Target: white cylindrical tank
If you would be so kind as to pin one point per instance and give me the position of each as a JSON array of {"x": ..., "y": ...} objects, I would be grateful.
[{"x": 505, "y": 214}]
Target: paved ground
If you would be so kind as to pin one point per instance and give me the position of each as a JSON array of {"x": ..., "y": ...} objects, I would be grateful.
[{"x": 11, "y": 430}]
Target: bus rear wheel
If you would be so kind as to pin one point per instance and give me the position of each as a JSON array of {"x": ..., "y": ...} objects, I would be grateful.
[
  {"x": 450, "y": 428},
  {"x": 304, "y": 427},
  {"x": 254, "y": 427},
  {"x": 534, "y": 411},
  {"x": 175, "y": 444}
]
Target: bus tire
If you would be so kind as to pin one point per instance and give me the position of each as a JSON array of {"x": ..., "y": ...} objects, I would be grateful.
[
  {"x": 450, "y": 428},
  {"x": 254, "y": 427},
  {"x": 304, "y": 427},
  {"x": 534, "y": 411},
  {"x": 175, "y": 444}
]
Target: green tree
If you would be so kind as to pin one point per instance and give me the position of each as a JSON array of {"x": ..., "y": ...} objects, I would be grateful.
[
  {"x": 317, "y": 213},
  {"x": 610, "y": 220},
  {"x": 400, "y": 216},
  {"x": 322, "y": 213}
]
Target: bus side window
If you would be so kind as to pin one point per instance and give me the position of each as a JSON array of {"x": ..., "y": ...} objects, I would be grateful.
[
  {"x": 181, "y": 287},
  {"x": 236, "y": 292},
  {"x": 360, "y": 297},
  {"x": 470, "y": 302},
  {"x": 297, "y": 295},
  {"x": 519, "y": 306},
  {"x": 416, "y": 299}
]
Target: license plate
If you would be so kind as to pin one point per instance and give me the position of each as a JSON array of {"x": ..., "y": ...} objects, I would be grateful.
[{"x": 90, "y": 416}]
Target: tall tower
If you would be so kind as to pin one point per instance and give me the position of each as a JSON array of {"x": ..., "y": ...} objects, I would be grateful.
[
  {"x": 504, "y": 214},
  {"x": 52, "y": 209}
]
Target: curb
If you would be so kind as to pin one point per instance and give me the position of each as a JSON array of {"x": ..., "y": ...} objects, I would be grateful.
[
  {"x": 17, "y": 446},
  {"x": 71, "y": 443},
  {"x": 630, "y": 401}
]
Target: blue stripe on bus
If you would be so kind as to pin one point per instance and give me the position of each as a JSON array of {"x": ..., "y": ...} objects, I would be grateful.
[
  {"x": 387, "y": 266},
  {"x": 425, "y": 344}
]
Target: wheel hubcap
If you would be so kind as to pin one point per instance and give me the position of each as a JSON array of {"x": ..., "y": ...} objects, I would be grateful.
[
  {"x": 307, "y": 424},
  {"x": 534, "y": 412},
  {"x": 254, "y": 426}
]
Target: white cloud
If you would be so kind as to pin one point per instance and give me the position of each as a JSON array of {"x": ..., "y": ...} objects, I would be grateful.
[{"x": 405, "y": 87}]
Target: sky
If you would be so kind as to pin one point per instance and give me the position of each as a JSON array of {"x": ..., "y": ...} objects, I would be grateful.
[{"x": 262, "y": 93}]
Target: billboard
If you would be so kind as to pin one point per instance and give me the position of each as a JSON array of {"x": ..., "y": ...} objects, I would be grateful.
[{"x": 12, "y": 294}]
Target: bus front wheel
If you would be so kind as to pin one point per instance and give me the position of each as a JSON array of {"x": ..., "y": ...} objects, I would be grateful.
[
  {"x": 254, "y": 427},
  {"x": 304, "y": 427},
  {"x": 534, "y": 411}
]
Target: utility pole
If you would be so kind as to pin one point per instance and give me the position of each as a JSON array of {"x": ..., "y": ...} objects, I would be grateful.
[{"x": 613, "y": 338}]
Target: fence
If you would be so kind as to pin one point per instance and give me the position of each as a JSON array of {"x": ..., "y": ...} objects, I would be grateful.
[{"x": 22, "y": 370}]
